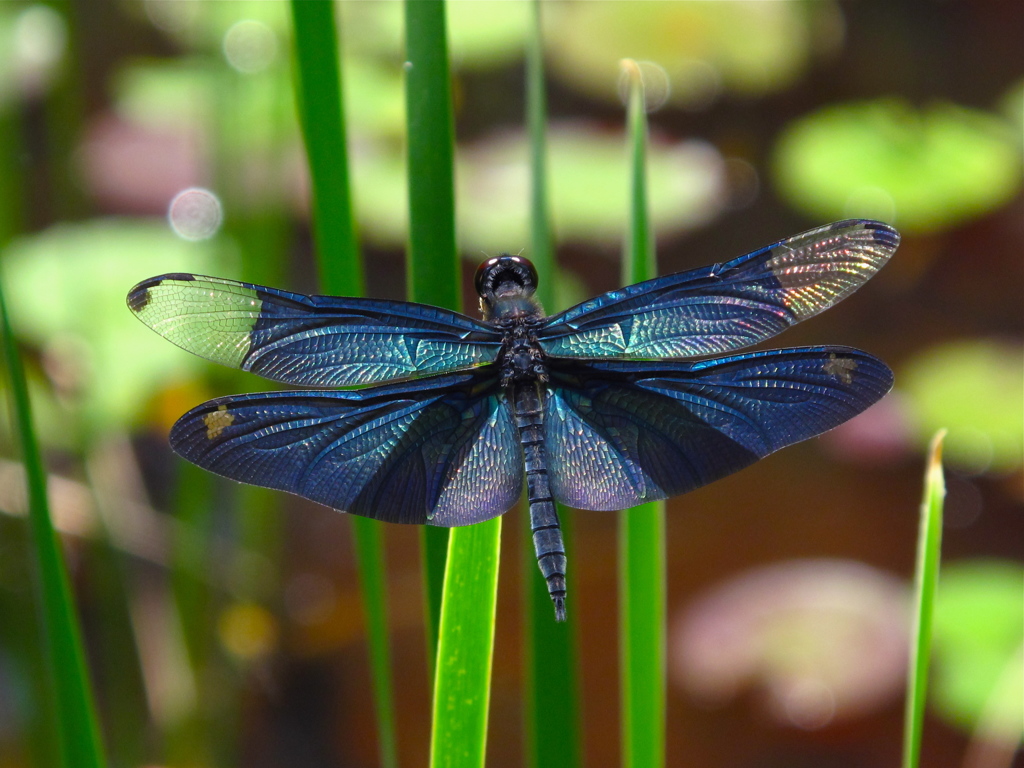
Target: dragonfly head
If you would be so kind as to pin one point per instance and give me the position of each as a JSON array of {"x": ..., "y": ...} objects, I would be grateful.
[{"x": 506, "y": 285}]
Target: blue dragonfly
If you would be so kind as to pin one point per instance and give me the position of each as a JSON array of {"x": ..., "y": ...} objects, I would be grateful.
[{"x": 596, "y": 406}]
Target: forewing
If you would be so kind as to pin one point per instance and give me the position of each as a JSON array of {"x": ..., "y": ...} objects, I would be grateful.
[
  {"x": 727, "y": 306},
  {"x": 321, "y": 341},
  {"x": 620, "y": 433},
  {"x": 441, "y": 451}
]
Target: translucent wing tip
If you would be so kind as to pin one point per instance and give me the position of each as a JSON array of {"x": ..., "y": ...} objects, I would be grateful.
[
  {"x": 817, "y": 269},
  {"x": 867, "y": 233},
  {"x": 139, "y": 296},
  {"x": 883, "y": 234}
]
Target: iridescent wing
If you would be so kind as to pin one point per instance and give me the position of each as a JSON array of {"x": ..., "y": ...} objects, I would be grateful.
[
  {"x": 727, "y": 306},
  {"x": 620, "y": 432},
  {"x": 321, "y": 341},
  {"x": 441, "y": 451}
]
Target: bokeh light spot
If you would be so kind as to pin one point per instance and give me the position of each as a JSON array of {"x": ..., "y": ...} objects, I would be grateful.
[
  {"x": 743, "y": 183},
  {"x": 40, "y": 39},
  {"x": 247, "y": 630},
  {"x": 175, "y": 16},
  {"x": 806, "y": 703},
  {"x": 657, "y": 87},
  {"x": 250, "y": 46},
  {"x": 195, "y": 214}
]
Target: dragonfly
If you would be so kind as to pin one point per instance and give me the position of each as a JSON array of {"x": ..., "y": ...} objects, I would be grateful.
[{"x": 599, "y": 407}]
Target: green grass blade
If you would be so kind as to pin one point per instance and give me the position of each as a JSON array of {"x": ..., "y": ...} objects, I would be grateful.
[
  {"x": 77, "y": 723},
  {"x": 191, "y": 740},
  {"x": 318, "y": 86},
  {"x": 432, "y": 262},
  {"x": 642, "y": 634},
  {"x": 641, "y": 529},
  {"x": 536, "y": 118},
  {"x": 464, "y": 616},
  {"x": 434, "y": 553},
  {"x": 926, "y": 577},
  {"x": 463, "y": 677},
  {"x": 551, "y": 674},
  {"x": 432, "y": 268},
  {"x": 369, "y": 543},
  {"x": 639, "y": 262},
  {"x": 323, "y": 126}
]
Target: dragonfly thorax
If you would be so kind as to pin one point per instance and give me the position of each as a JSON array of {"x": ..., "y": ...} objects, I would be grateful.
[{"x": 521, "y": 358}]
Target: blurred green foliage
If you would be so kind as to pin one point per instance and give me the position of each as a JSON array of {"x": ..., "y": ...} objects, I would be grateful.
[
  {"x": 975, "y": 389},
  {"x": 922, "y": 170},
  {"x": 979, "y": 645},
  {"x": 1012, "y": 107},
  {"x": 68, "y": 286},
  {"x": 588, "y": 176},
  {"x": 747, "y": 47},
  {"x": 480, "y": 35},
  {"x": 588, "y": 168}
]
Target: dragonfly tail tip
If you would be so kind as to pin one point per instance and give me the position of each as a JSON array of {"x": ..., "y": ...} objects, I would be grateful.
[{"x": 559, "y": 608}]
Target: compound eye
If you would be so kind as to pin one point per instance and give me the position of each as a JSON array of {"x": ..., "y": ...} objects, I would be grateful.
[
  {"x": 482, "y": 273},
  {"x": 502, "y": 269},
  {"x": 530, "y": 270}
]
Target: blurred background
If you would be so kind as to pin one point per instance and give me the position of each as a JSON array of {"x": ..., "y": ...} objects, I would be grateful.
[{"x": 223, "y": 623}]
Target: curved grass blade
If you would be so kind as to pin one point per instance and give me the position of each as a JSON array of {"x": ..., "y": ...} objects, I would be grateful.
[
  {"x": 323, "y": 126},
  {"x": 551, "y": 679},
  {"x": 926, "y": 577},
  {"x": 432, "y": 268},
  {"x": 77, "y": 729},
  {"x": 642, "y": 528}
]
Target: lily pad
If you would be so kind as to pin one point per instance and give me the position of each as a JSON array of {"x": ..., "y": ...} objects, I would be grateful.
[
  {"x": 821, "y": 639},
  {"x": 975, "y": 389},
  {"x": 979, "y": 647},
  {"x": 923, "y": 170},
  {"x": 749, "y": 48},
  {"x": 589, "y": 183},
  {"x": 67, "y": 288},
  {"x": 480, "y": 35},
  {"x": 589, "y": 188},
  {"x": 202, "y": 26}
]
